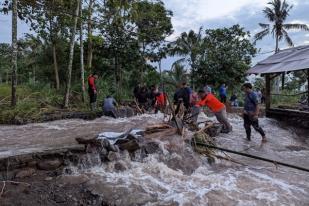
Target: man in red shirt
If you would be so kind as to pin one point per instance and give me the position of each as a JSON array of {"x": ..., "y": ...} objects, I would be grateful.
[
  {"x": 217, "y": 107},
  {"x": 92, "y": 91}
]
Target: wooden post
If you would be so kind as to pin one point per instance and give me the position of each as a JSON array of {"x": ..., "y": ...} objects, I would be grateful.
[
  {"x": 267, "y": 92},
  {"x": 283, "y": 80}
]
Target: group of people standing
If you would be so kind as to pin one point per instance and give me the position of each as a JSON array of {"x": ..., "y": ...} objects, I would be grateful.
[
  {"x": 193, "y": 102},
  {"x": 151, "y": 98}
]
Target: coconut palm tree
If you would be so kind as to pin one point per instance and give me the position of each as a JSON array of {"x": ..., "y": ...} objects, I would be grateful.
[
  {"x": 188, "y": 45},
  {"x": 176, "y": 75},
  {"x": 277, "y": 13}
]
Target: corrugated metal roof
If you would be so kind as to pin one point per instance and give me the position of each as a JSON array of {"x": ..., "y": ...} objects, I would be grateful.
[{"x": 293, "y": 59}]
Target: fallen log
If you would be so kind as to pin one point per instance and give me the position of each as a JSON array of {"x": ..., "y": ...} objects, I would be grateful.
[{"x": 157, "y": 128}]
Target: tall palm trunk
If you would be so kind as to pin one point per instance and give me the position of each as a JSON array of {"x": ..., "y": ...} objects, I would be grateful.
[
  {"x": 89, "y": 49},
  {"x": 72, "y": 44},
  {"x": 56, "y": 66},
  {"x": 283, "y": 74},
  {"x": 82, "y": 69},
  {"x": 277, "y": 44},
  {"x": 14, "y": 53},
  {"x": 277, "y": 79}
]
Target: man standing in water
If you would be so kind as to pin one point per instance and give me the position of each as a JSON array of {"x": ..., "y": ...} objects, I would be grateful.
[
  {"x": 92, "y": 90},
  {"x": 251, "y": 112}
]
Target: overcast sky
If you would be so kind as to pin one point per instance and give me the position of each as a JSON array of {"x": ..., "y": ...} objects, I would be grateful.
[{"x": 192, "y": 14}]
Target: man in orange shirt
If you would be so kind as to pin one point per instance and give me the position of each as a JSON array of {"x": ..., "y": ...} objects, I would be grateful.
[{"x": 218, "y": 108}]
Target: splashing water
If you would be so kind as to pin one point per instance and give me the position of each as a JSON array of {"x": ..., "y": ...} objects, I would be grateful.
[{"x": 161, "y": 179}]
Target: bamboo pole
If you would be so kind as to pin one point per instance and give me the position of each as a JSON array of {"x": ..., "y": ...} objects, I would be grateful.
[{"x": 254, "y": 157}]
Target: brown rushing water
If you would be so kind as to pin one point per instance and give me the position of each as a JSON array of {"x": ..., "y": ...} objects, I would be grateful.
[{"x": 154, "y": 182}]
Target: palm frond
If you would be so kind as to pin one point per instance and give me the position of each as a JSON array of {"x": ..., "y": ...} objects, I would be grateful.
[
  {"x": 177, "y": 62},
  {"x": 303, "y": 27},
  {"x": 264, "y": 26},
  {"x": 261, "y": 35},
  {"x": 287, "y": 38},
  {"x": 269, "y": 14}
]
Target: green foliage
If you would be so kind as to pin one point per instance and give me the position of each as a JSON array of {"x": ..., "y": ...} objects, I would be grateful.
[
  {"x": 5, "y": 61},
  {"x": 290, "y": 100},
  {"x": 260, "y": 83},
  {"x": 226, "y": 57},
  {"x": 297, "y": 81}
]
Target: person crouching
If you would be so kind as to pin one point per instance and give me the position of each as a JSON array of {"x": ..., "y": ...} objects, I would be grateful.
[{"x": 109, "y": 107}]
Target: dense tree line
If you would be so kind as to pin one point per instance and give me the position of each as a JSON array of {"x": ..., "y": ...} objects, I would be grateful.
[{"x": 122, "y": 41}]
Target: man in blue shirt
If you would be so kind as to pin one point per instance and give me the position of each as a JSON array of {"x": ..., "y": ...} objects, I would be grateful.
[
  {"x": 251, "y": 112},
  {"x": 109, "y": 107},
  {"x": 222, "y": 93}
]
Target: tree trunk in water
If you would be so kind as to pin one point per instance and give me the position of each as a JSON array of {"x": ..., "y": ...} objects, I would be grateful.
[
  {"x": 56, "y": 67},
  {"x": 89, "y": 49},
  {"x": 72, "y": 44},
  {"x": 14, "y": 52},
  {"x": 82, "y": 69}
]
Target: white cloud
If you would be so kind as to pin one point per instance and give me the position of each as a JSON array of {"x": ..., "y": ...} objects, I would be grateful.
[
  {"x": 191, "y": 14},
  {"x": 199, "y": 10},
  {"x": 297, "y": 21}
]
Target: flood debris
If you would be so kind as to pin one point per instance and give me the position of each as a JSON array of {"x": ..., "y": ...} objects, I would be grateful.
[{"x": 110, "y": 145}]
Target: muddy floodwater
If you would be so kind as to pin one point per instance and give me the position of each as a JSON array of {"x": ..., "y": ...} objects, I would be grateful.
[{"x": 155, "y": 181}]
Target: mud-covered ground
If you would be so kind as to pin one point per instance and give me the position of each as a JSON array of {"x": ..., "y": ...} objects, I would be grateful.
[{"x": 48, "y": 189}]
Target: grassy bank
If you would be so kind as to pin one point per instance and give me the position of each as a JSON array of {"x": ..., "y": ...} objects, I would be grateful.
[{"x": 33, "y": 102}]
